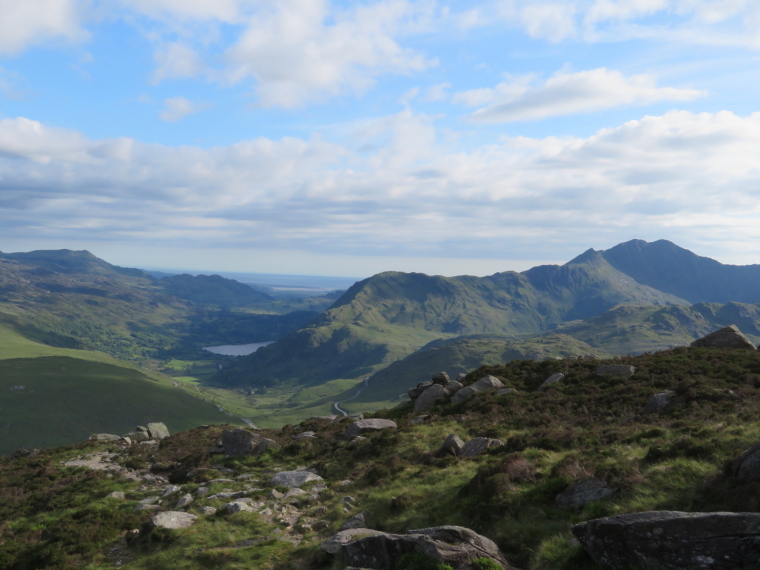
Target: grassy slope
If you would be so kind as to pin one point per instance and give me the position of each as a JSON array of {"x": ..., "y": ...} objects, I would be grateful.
[{"x": 587, "y": 426}]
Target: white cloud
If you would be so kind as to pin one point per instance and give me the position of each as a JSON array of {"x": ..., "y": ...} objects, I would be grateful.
[
  {"x": 178, "y": 108},
  {"x": 692, "y": 178},
  {"x": 567, "y": 93},
  {"x": 550, "y": 21},
  {"x": 177, "y": 60},
  {"x": 437, "y": 92},
  {"x": 28, "y": 22}
]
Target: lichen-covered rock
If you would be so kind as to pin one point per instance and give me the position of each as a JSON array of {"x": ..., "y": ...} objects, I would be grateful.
[
  {"x": 373, "y": 424},
  {"x": 158, "y": 430},
  {"x": 478, "y": 445},
  {"x": 485, "y": 384},
  {"x": 208, "y": 511},
  {"x": 747, "y": 466},
  {"x": 673, "y": 540},
  {"x": 441, "y": 378},
  {"x": 105, "y": 437},
  {"x": 415, "y": 392},
  {"x": 659, "y": 402},
  {"x": 616, "y": 370},
  {"x": 454, "y": 386},
  {"x": 584, "y": 492},
  {"x": 727, "y": 337},
  {"x": 453, "y": 444},
  {"x": 452, "y": 545},
  {"x": 428, "y": 398},
  {"x": 244, "y": 442},
  {"x": 337, "y": 541},
  {"x": 184, "y": 501},
  {"x": 237, "y": 507},
  {"x": 553, "y": 379},
  {"x": 293, "y": 478},
  {"x": 173, "y": 520},
  {"x": 357, "y": 521}
]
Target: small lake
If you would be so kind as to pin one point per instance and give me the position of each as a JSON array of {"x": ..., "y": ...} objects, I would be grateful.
[{"x": 236, "y": 349}]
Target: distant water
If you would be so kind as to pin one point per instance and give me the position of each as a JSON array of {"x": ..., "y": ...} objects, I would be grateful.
[{"x": 236, "y": 349}]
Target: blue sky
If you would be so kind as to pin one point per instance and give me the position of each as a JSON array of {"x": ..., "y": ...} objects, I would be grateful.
[{"x": 347, "y": 138}]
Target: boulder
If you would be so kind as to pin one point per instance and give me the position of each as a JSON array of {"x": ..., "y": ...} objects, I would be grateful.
[
  {"x": 478, "y": 445},
  {"x": 158, "y": 430},
  {"x": 136, "y": 436},
  {"x": 615, "y": 370},
  {"x": 207, "y": 511},
  {"x": 454, "y": 386},
  {"x": 428, "y": 398},
  {"x": 747, "y": 466},
  {"x": 415, "y": 392},
  {"x": 452, "y": 545},
  {"x": 505, "y": 391},
  {"x": 363, "y": 426},
  {"x": 201, "y": 491},
  {"x": 453, "y": 444},
  {"x": 173, "y": 520},
  {"x": 115, "y": 495},
  {"x": 293, "y": 478},
  {"x": 357, "y": 521},
  {"x": 333, "y": 544},
  {"x": 105, "y": 437},
  {"x": 673, "y": 540},
  {"x": 306, "y": 435},
  {"x": 237, "y": 507},
  {"x": 441, "y": 379},
  {"x": 727, "y": 337},
  {"x": 171, "y": 489},
  {"x": 553, "y": 379},
  {"x": 584, "y": 492},
  {"x": 244, "y": 442},
  {"x": 184, "y": 501},
  {"x": 485, "y": 384},
  {"x": 658, "y": 402}
]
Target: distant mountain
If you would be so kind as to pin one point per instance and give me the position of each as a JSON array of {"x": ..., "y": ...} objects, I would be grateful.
[
  {"x": 212, "y": 290},
  {"x": 386, "y": 317},
  {"x": 677, "y": 271},
  {"x": 69, "y": 262}
]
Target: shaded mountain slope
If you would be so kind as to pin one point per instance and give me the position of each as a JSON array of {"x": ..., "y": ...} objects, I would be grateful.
[
  {"x": 212, "y": 290},
  {"x": 388, "y": 316},
  {"x": 675, "y": 270}
]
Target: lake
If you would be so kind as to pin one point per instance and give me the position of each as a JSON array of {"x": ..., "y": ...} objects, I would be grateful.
[{"x": 236, "y": 349}]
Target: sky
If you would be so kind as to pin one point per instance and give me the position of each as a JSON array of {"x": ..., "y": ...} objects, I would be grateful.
[{"x": 346, "y": 138}]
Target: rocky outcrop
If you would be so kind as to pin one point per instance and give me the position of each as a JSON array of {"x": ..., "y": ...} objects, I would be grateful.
[
  {"x": 105, "y": 437},
  {"x": 453, "y": 444},
  {"x": 553, "y": 379},
  {"x": 485, "y": 384},
  {"x": 429, "y": 397},
  {"x": 158, "y": 430},
  {"x": 727, "y": 337},
  {"x": 294, "y": 478},
  {"x": 673, "y": 540},
  {"x": 244, "y": 442},
  {"x": 616, "y": 370},
  {"x": 415, "y": 392},
  {"x": 747, "y": 466},
  {"x": 337, "y": 541},
  {"x": 452, "y": 545},
  {"x": 362, "y": 426},
  {"x": 357, "y": 521},
  {"x": 172, "y": 519},
  {"x": 442, "y": 379},
  {"x": 584, "y": 492},
  {"x": 659, "y": 402},
  {"x": 478, "y": 445}
]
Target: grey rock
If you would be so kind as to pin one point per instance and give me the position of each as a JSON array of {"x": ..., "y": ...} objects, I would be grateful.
[
  {"x": 358, "y": 416},
  {"x": 149, "y": 500},
  {"x": 485, "y": 384},
  {"x": 454, "y": 386},
  {"x": 201, "y": 491},
  {"x": 244, "y": 442},
  {"x": 294, "y": 494},
  {"x": 276, "y": 495},
  {"x": 478, "y": 445},
  {"x": 171, "y": 489},
  {"x": 453, "y": 444},
  {"x": 142, "y": 507},
  {"x": 452, "y": 545},
  {"x": 207, "y": 511},
  {"x": 337, "y": 541},
  {"x": 173, "y": 520},
  {"x": 420, "y": 419},
  {"x": 553, "y": 379},
  {"x": 184, "y": 501},
  {"x": 115, "y": 495},
  {"x": 330, "y": 418},
  {"x": 505, "y": 391},
  {"x": 441, "y": 379},
  {"x": 125, "y": 439},
  {"x": 105, "y": 437},
  {"x": 673, "y": 540},
  {"x": 615, "y": 370},
  {"x": 728, "y": 337},
  {"x": 428, "y": 398},
  {"x": 415, "y": 392},
  {"x": 306, "y": 435},
  {"x": 294, "y": 478},
  {"x": 659, "y": 402},
  {"x": 158, "y": 430},
  {"x": 227, "y": 495},
  {"x": 362, "y": 426},
  {"x": 357, "y": 521},
  {"x": 237, "y": 507},
  {"x": 584, "y": 492},
  {"x": 137, "y": 436},
  {"x": 747, "y": 466}
]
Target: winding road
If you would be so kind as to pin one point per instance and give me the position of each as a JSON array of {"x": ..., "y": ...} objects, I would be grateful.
[{"x": 336, "y": 405}]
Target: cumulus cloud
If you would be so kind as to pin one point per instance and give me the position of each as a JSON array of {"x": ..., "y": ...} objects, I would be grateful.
[
  {"x": 178, "y": 108},
  {"x": 682, "y": 176},
  {"x": 566, "y": 94},
  {"x": 27, "y": 22}
]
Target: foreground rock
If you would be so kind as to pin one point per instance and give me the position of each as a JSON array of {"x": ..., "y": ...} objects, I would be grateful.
[
  {"x": 485, "y": 384},
  {"x": 747, "y": 466},
  {"x": 553, "y": 379},
  {"x": 453, "y": 444},
  {"x": 158, "y": 430},
  {"x": 173, "y": 520},
  {"x": 478, "y": 445},
  {"x": 337, "y": 541},
  {"x": 616, "y": 370},
  {"x": 243, "y": 442},
  {"x": 294, "y": 478},
  {"x": 453, "y": 545},
  {"x": 728, "y": 337},
  {"x": 670, "y": 539},
  {"x": 429, "y": 397},
  {"x": 584, "y": 492},
  {"x": 362, "y": 426}
]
